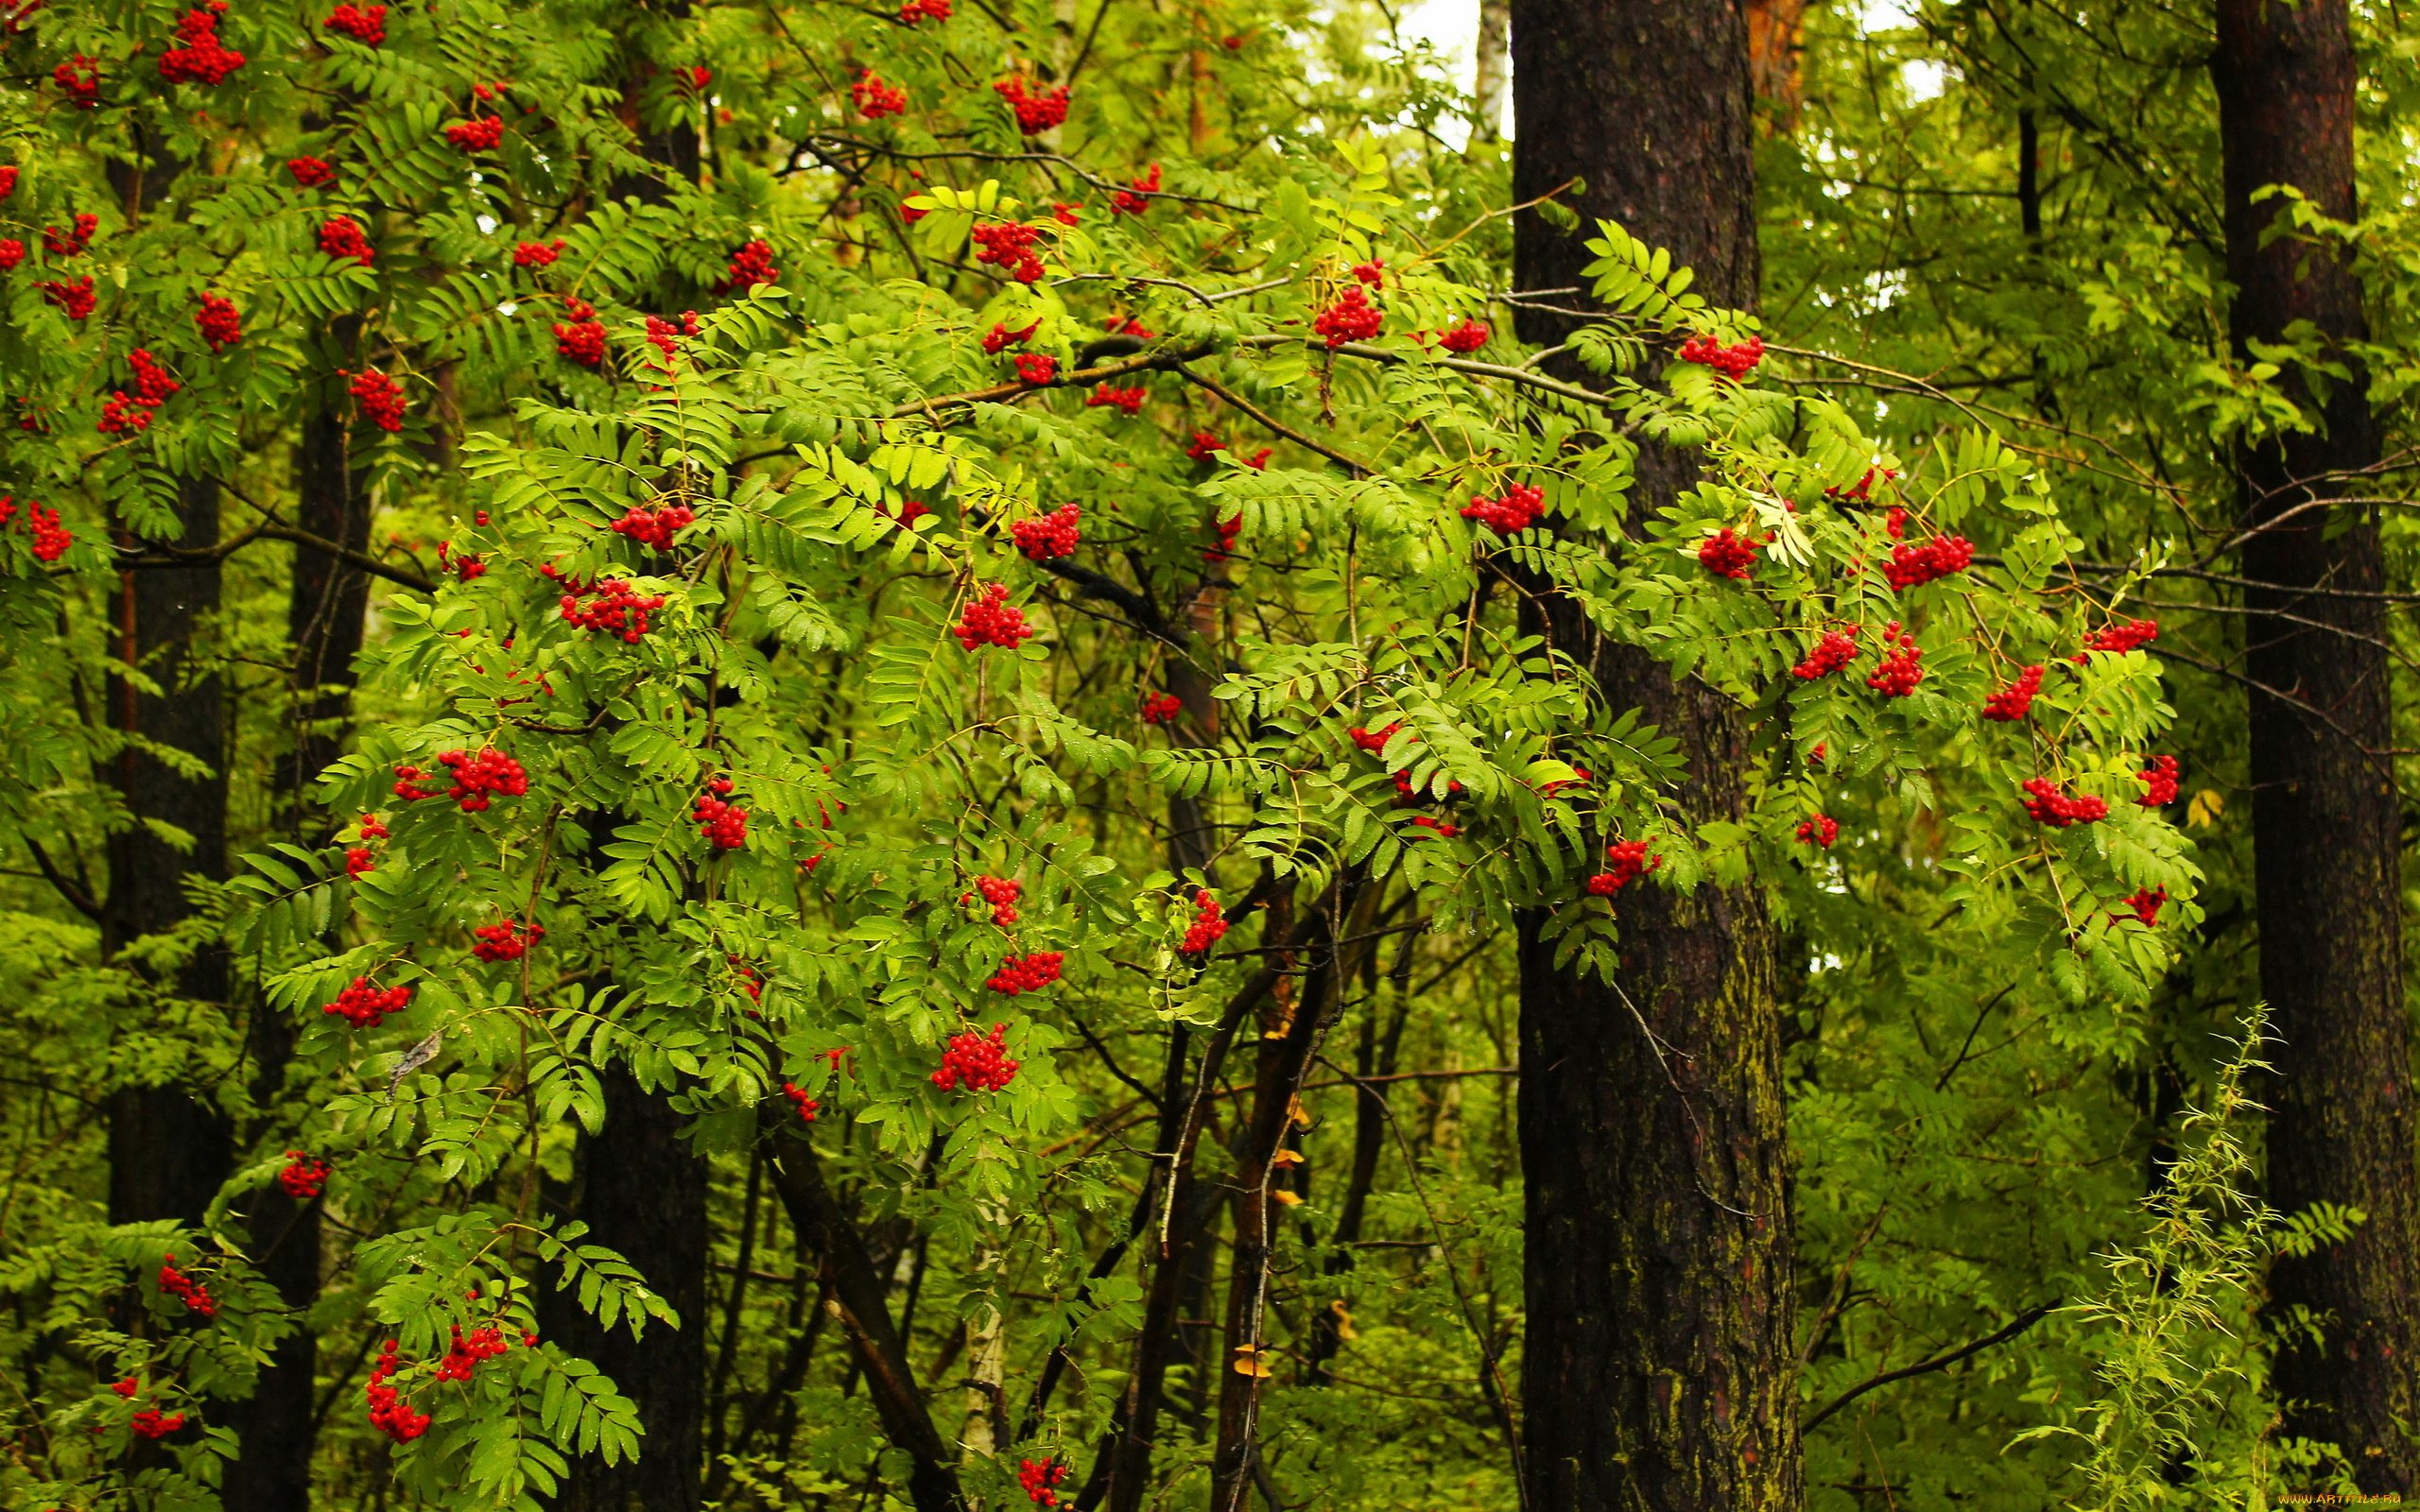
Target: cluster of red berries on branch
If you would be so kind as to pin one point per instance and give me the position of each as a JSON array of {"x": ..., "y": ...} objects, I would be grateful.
[
  {"x": 1040, "y": 1480},
  {"x": 1820, "y": 830},
  {"x": 380, "y": 397},
  {"x": 667, "y": 337},
  {"x": 1036, "y": 114},
  {"x": 580, "y": 337},
  {"x": 1406, "y": 794},
  {"x": 505, "y": 941},
  {"x": 389, "y": 1412},
  {"x": 2144, "y": 907},
  {"x": 1626, "y": 861},
  {"x": 1000, "y": 337},
  {"x": 876, "y": 99},
  {"x": 185, "y": 1288},
  {"x": 750, "y": 980},
  {"x": 1026, "y": 973},
  {"x": 2048, "y": 806},
  {"x": 749, "y": 267},
  {"x": 1372, "y": 274},
  {"x": 467, "y": 1351},
  {"x": 366, "y": 25},
  {"x": 2159, "y": 781},
  {"x": 202, "y": 58},
  {"x": 1209, "y": 925},
  {"x": 724, "y": 825},
  {"x": 50, "y": 539},
  {"x": 802, "y": 1103},
  {"x": 79, "y": 80},
  {"x": 310, "y": 172},
  {"x": 2127, "y": 636},
  {"x": 1053, "y": 535},
  {"x": 1941, "y": 556},
  {"x": 478, "y": 134},
  {"x": 1009, "y": 244},
  {"x": 915, "y": 11},
  {"x": 1227, "y": 530},
  {"x": 614, "y": 609},
  {"x": 1038, "y": 369},
  {"x": 153, "y": 387},
  {"x": 1129, "y": 399},
  {"x": 12, "y": 251},
  {"x": 1203, "y": 444},
  {"x": 1509, "y": 515},
  {"x": 1464, "y": 338},
  {"x": 1136, "y": 197},
  {"x": 1733, "y": 362},
  {"x": 979, "y": 1062},
  {"x": 537, "y": 254},
  {"x": 150, "y": 1422},
  {"x": 74, "y": 241},
  {"x": 365, "y": 1006},
  {"x": 1861, "y": 490},
  {"x": 75, "y": 301},
  {"x": 1352, "y": 317},
  {"x": 1837, "y": 649},
  {"x": 305, "y": 1175},
  {"x": 1728, "y": 554},
  {"x": 1372, "y": 741},
  {"x": 1129, "y": 327},
  {"x": 1446, "y": 830},
  {"x": 1161, "y": 708},
  {"x": 476, "y": 780},
  {"x": 1065, "y": 214},
  {"x": 8, "y": 172},
  {"x": 1902, "y": 665},
  {"x": 909, "y": 512},
  {"x": 654, "y": 528},
  {"x": 1002, "y": 894},
  {"x": 991, "y": 620},
  {"x": 359, "y": 859},
  {"x": 220, "y": 324},
  {"x": 2013, "y": 702}
]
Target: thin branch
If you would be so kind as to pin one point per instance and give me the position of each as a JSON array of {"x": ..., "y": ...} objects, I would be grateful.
[
  {"x": 1939, "y": 1362},
  {"x": 1238, "y": 402}
]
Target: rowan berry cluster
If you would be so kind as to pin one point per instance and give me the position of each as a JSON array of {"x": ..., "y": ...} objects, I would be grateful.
[
  {"x": 1509, "y": 515},
  {"x": 654, "y": 528},
  {"x": 1902, "y": 665},
  {"x": 581, "y": 339},
  {"x": 1129, "y": 327},
  {"x": 305, "y": 1175},
  {"x": 2160, "y": 781},
  {"x": 505, "y": 941},
  {"x": 1444, "y": 831},
  {"x": 8, "y": 180},
  {"x": 79, "y": 80},
  {"x": 50, "y": 539},
  {"x": 1372, "y": 273},
  {"x": 876, "y": 99},
  {"x": 915, "y": 11},
  {"x": 74, "y": 240},
  {"x": 749, "y": 267},
  {"x": 365, "y": 1006},
  {"x": 477, "y": 778},
  {"x": 1352, "y": 317},
  {"x": 537, "y": 254},
  {"x": 1028, "y": 973},
  {"x": 1406, "y": 794},
  {"x": 372, "y": 827},
  {"x": 389, "y": 1412},
  {"x": 185, "y": 1288},
  {"x": 723, "y": 825},
  {"x": 1860, "y": 491},
  {"x": 1038, "y": 1480},
  {"x": 1733, "y": 362},
  {"x": 2128, "y": 636},
  {"x": 1372, "y": 741},
  {"x": 366, "y": 25},
  {"x": 1625, "y": 862},
  {"x": 220, "y": 324},
  {"x": 478, "y": 134},
  {"x": 1136, "y": 197},
  {"x": 1129, "y": 399},
  {"x": 2144, "y": 906},
  {"x": 750, "y": 980},
  {"x": 76, "y": 301},
  {"x": 1161, "y": 708},
  {"x": 1728, "y": 554},
  {"x": 999, "y": 338},
  {"x": 1894, "y": 523},
  {"x": 1228, "y": 529},
  {"x": 2048, "y": 806},
  {"x": 1002, "y": 894},
  {"x": 909, "y": 512},
  {"x": 466, "y": 1352},
  {"x": 1464, "y": 338},
  {"x": 614, "y": 609},
  {"x": 992, "y": 621},
  {"x": 2013, "y": 702},
  {"x": 1837, "y": 649},
  {"x": 667, "y": 337},
  {"x": 150, "y": 1422},
  {"x": 381, "y": 399},
  {"x": 804, "y": 1104},
  {"x": 152, "y": 388},
  {"x": 1037, "y": 368},
  {"x": 1009, "y": 244},
  {"x": 1055, "y": 534},
  {"x": 1820, "y": 830},
  {"x": 359, "y": 860},
  {"x": 1914, "y": 566},
  {"x": 203, "y": 58},
  {"x": 12, "y": 251},
  {"x": 1036, "y": 114},
  {"x": 1209, "y": 925},
  {"x": 980, "y": 1062}
]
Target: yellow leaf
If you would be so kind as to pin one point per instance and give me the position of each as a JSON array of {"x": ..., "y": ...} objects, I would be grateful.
[
  {"x": 1287, "y": 1199},
  {"x": 1287, "y": 1157},
  {"x": 1344, "y": 1320},
  {"x": 1249, "y": 1362},
  {"x": 2206, "y": 808}
]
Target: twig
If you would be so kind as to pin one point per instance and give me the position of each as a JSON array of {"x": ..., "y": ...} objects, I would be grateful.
[{"x": 1938, "y": 1362}]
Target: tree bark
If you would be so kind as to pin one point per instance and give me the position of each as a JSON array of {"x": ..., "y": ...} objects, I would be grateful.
[
  {"x": 2325, "y": 815},
  {"x": 1657, "y": 1371}
]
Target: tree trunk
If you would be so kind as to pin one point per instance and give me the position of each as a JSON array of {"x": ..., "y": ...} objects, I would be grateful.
[
  {"x": 1658, "y": 1371},
  {"x": 2326, "y": 869},
  {"x": 1493, "y": 58}
]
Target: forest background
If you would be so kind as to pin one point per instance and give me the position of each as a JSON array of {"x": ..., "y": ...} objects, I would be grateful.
[{"x": 1111, "y": 755}]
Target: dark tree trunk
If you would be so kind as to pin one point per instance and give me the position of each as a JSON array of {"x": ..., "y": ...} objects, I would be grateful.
[
  {"x": 1658, "y": 1371},
  {"x": 2326, "y": 869},
  {"x": 169, "y": 1144}
]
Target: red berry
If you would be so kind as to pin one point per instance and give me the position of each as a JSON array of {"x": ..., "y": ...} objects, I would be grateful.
[
  {"x": 366, "y": 25},
  {"x": 2160, "y": 781},
  {"x": 1036, "y": 114},
  {"x": 876, "y": 99},
  {"x": 1733, "y": 362},
  {"x": 1837, "y": 649},
  {"x": 1727, "y": 554},
  {"x": 1136, "y": 197},
  {"x": 992, "y": 621},
  {"x": 1509, "y": 515},
  {"x": 310, "y": 173},
  {"x": 1352, "y": 317},
  {"x": 1821, "y": 830},
  {"x": 979, "y": 1062},
  {"x": 202, "y": 59},
  {"x": 2050, "y": 807}
]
